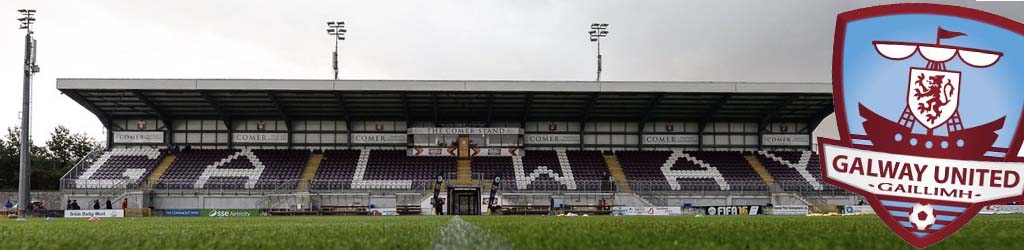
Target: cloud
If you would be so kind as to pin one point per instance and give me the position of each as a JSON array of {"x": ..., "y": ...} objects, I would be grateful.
[{"x": 752, "y": 41}]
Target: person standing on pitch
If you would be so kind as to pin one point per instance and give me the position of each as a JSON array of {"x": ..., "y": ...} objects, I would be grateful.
[
  {"x": 438, "y": 206},
  {"x": 124, "y": 204}
]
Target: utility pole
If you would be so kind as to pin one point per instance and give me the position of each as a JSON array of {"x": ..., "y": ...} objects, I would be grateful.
[
  {"x": 337, "y": 30},
  {"x": 25, "y": 171},
  {"x": 598, "y": 31}
]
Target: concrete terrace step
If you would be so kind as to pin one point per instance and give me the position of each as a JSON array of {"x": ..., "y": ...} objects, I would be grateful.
[
  {"x": 308, "y": 173},
  {"x": 761, "y": 171},
  {"x": 160, "y": 169},
  {"x": 615, "y": 169},
  {"x": 464, "y": 172}
]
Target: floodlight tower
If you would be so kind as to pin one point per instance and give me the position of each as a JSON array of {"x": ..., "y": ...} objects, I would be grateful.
[
  {"x": 598, "y": 31},
  {"x": 24, "y": 174},
  {"x": 337, "y": 30}
]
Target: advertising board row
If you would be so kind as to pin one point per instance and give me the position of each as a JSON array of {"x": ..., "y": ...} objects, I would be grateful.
[
  {"x": 785, "y": 140},
  {"x": 465, "y": 131},
  {"x": 138, "y": 136},
  {"x": 1002, "y": 209},
  {"x": 393, "y": 138},
  {"x": 108, "y": 213},
  {"x": 210, "y": 212},
  {"x": 791, "y": 210},
  {"x": 384, "y": 211},
  {"x": 247, "y": 137},
  {"x": 860, "y": 209},
  {"x": 756, "y": 210},
  {"x": 646, "y": 211},
  {"x": 437, "y": 151},
  {"x": 733, "y": 210}
]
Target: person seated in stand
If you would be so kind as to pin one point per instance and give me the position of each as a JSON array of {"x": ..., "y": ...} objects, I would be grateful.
[
  {"x": 96, "y": 204},
  {"x": 109, "y": 205},
  {"x": 75, "y": 206},
  {"x": 69, "y": 206},
  {"x": 8, "y": 205}
]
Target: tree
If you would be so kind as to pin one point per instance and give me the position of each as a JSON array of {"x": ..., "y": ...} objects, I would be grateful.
[
  {"x": 49, "y": 163},
  {"x": 9, "y": 160},
  {"x": 65, "y": 149}
]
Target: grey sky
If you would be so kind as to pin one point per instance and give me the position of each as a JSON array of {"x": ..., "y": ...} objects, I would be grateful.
[{"x": 753, "y": 41}]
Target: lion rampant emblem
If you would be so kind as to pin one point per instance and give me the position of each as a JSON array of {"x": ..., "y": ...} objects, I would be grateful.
[{"x": 936, "y": 94}]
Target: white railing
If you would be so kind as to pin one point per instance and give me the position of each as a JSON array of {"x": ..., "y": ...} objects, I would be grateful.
[
  {"x": 334, "y": 186},
  {"x": 553, "y": 186},
  {"x": 691, "y": 188},
  {"x": 70, "y": 177}
]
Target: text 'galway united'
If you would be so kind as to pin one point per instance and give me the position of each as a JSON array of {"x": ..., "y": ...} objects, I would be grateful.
[{"x": 922, "y": 177}]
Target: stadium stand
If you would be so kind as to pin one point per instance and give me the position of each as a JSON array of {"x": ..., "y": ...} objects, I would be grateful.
[
  {"x": 336, "y": 170},
  {"x": 283, "y": 167},
  {"x": 734, "y": 168},
  {"x": 119, "y": 167},
  {"x": 235, "y": 169},
  {"x": 396, "y": 164},
  {"x": 795, "y": 170},
  {"x": 191, "y": 163},
  {"x": 547, "y": 170},
  {"x": 543, "y": 165},
  {"x": 645, "y": 167},
  {"x": 384, "y": 169},
  {"x": 685, "y": 172},
  {"x": 490, "y": 167},
  {"x": 588, "y": 169},
  {"x": 390, "y": 139},
  {"x": 697, "y": 170},
  {"x": 551, "y": 169}
]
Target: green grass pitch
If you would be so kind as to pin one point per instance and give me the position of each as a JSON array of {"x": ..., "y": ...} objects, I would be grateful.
[{"x": 534, "y": 232}]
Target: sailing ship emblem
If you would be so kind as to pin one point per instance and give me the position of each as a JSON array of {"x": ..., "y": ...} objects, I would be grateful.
[
  {"x": 933, "y": 96},
  {"x": 930, "y": 154}
]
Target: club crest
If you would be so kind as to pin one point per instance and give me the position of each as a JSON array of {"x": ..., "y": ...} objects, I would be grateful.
[{"x": 929, "y": 115}]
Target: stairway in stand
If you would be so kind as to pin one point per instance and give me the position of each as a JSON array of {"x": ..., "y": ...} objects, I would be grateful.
[
  {"x": 615, "y": 169},
  {"x": 309, "y": 172},
  {"x": 160, "y": 169},
  {"x": 464, "y": 172},
  {"x": 763, "y": 172}
]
